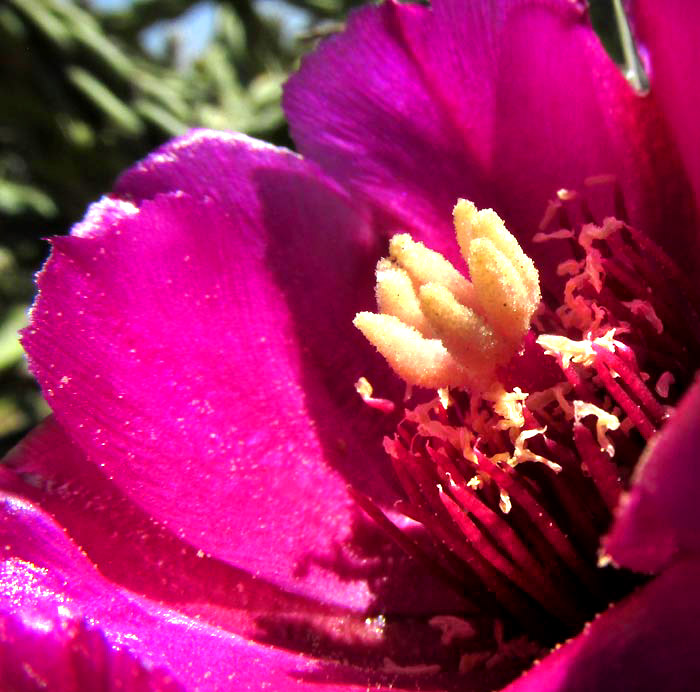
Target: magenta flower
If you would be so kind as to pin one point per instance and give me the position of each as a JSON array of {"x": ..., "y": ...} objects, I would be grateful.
[{"x": 211, "y": 506}]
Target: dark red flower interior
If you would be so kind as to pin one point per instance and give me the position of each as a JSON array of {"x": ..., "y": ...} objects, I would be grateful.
[{"x": 517, "y": 494}]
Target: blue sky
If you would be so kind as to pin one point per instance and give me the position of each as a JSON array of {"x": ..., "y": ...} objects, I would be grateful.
[{"x": 197, "y": 25}]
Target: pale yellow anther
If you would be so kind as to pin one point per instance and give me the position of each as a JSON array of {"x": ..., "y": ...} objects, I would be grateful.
[
  {"x": 444, "y": 396},
  {"x": 364, "y": 388},
  {"x": 581, "y": 352},
  {"x": 417, "y": 360},
  {"x": 466, "y": 335},
  {"x": 521, "y": 453},
  {"x": 479, "y": 324},
  {"x": 424, "y": 265},
  {"x": 504, "y": 502},
  {"x": 566, "y": 195},
  {"x": 605, "y": 421},
  {"x": 508, "y": 405}
]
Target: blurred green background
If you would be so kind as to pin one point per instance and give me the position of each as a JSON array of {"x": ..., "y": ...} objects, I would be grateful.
[{"x": 91, "y": 86}]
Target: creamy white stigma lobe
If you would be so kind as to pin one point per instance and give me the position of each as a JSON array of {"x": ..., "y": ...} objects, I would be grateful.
[{"x": 438, "y": 329}]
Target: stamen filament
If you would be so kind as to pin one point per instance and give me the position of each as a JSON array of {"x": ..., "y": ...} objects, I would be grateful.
[
  {"x": 635, "y": 384},
  {"x": 633, "y": 411},
  {"x": 601, "y": 467},
  {"x": 543, "y": 521}
]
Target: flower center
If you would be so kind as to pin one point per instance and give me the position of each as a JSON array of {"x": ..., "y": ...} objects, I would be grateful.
[
  {"x": 436, "y": 328},
  {"x": 542, "y": 409}
]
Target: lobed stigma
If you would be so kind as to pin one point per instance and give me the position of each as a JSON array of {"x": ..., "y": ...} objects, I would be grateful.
[{"x": 438, "y": 329}]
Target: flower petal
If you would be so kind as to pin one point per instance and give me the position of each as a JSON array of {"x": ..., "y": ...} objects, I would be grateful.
[
  {"x": 648, "y": 642},
  {"x": 198, "y": 346},
  {"x": 670, "y": 34},
  {"x": 44, "y": 651},
  {"x": 382, "y": 130},
  {"x": 170, "y": 340},
  {"x": 49, "y": 591},
  {"x": 133, "y": 550},
  {"x": 503, "y": 103},
  {"x": 136, "y": 552},
  {"x": 658, "y": 519}
]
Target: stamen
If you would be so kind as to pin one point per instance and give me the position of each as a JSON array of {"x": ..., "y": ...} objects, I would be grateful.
[
  {"x": 640, "y": 420},
  {"x": 645, "y": 310},
  {"x": 582, "y": 352},
  {"x": 604, "y": 421},
  {"x": 542, "y": 520},
  {"x": 664, "y": 384},
  {"x": 634, "y": 383},
  {"x": 365, "y": 390},
  {"x": 600, "y": 466}
]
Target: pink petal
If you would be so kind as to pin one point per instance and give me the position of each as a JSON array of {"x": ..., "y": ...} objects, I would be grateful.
[
  {"x": 199, "y": 348},
  {"x": 503, "y": 103},
  {"x": 658, "y": 519},
  {"x": 49, "y": 590},
  {"x": 670, "y": 34},
  {"x": 646, "y": 643},
  {"x": 564, "y": 113},
  {"x": 67, "y": 656},
  {"x": 131, "y": 549},
  {"x": 320, "y": 249},
  {"x": 362, "y": 107},
  {"x": 174, "y": 342},
  {"x": 134, "y": 551}
]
